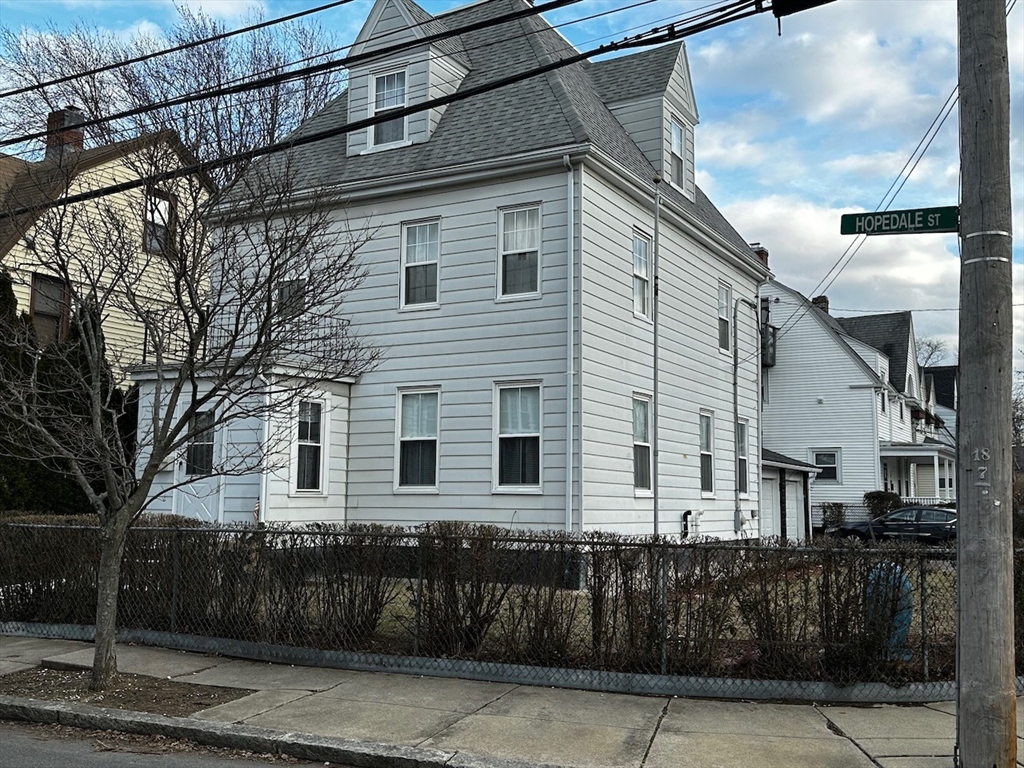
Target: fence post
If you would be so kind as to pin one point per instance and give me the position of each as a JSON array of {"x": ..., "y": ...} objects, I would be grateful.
[
  {"x": 924, "y": 614},
  {"x": 419, "y": 595},
  {"x": 664, "y": 608},
  {"x": 175, "y": 577}
]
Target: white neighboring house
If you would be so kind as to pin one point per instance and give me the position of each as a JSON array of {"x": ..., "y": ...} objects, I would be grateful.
[
  {"x": 847, "y": 395},
  {"x": 510, "y": 283}
]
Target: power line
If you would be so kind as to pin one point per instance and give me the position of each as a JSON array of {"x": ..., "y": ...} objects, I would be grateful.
[
  {"x": 735, "y": 11},
  {"x": 174, "y": 49},
  {"x": 345, "y": 62}
]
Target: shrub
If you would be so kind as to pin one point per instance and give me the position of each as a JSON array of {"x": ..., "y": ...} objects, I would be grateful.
[
  {"x": 880, "y": 502},
  {"x": 833, "y": 514}
]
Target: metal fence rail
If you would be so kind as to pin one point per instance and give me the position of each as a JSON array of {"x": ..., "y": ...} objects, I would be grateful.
[{"x": 710, "y": 618}]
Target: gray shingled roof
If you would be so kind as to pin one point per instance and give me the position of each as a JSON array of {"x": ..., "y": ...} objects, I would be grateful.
[
  {"x": 559, "y": 108},
  {"x": 944, "y": 378},
  {"x": 431, "y": 25},
  {"x": 888, "y": 333},
  {"x": 629, "y": 77}
]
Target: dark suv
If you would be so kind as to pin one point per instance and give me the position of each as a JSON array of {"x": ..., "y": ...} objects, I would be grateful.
[{"x": 923, "y": 524}]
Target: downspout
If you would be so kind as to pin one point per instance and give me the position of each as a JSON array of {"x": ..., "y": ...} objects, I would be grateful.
[
  {"x": 261, "y": 503},
  {"x": 570, "y": 258},
  {"x": 738, "y": 515},
  {"x": 656, "y": 497}
]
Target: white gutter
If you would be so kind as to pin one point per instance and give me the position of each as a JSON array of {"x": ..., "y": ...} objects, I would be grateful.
[{"x": 570, "y": 258}]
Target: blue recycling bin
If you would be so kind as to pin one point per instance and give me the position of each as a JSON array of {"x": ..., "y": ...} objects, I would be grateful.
[{"x": 890, "y": 603}]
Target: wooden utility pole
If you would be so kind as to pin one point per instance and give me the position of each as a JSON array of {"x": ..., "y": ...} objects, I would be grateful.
[{"x": 986, "y": 711}]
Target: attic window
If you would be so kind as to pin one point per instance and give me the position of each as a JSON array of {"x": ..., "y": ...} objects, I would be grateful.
[
  {"x": 389, "y": 95},
  {"x": 678, "y": 168}
]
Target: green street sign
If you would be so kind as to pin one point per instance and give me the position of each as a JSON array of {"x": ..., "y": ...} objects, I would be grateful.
[{"x": 908, "y": 222}]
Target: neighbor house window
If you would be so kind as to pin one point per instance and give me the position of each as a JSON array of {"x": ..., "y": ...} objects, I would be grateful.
[
  {"x": 519, "y": 436},
  {"x": 389, "y": 95},
  {"x": 417, "y": 438},
  {"x": 158, "y": 227},
  {"x": 724, "y": 323},
  {"x": 49, "y": 306},
  {"x": 707, "y": 455},
  {"x": 310, "y": 446},
  {"x": 199, "y": 455},
  {"x": 520, "y": 251},
  {"x": 677, "y": 154},
  {"x": 420, "y": 251},
  {"x": 641, "y": 444},
  {"x": 828, "y": 463},
  {"x": 291, "y": 298},
  {"x": 742, "y": 462},
  {"x": 641, "y": 275}
]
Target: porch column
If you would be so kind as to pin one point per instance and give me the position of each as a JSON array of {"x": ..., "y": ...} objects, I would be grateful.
[
  {"x": 911, "y": 475},
  {"x": 935, "y": 467}
]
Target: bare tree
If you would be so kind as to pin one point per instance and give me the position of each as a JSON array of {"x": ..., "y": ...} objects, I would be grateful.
[
  {"x": 1017, "y": 408},
  {"x": 231, "y": 284},
  {"x": 932, "y": 351}
]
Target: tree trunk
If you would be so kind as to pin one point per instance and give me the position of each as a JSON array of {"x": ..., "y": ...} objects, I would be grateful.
[{"x": 108, "y": 580}]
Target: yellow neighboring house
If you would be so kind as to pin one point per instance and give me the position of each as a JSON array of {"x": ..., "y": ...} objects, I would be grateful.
[{"x": 121, "y": 250}]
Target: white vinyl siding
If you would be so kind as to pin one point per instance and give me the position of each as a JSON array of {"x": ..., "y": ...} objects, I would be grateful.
[{"x": 519, "y": 252}]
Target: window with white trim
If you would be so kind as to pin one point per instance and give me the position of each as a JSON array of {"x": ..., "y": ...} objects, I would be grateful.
[
  {"x": 519, "y": 424},
  {"x": 291, "y": 298},
  {"x": 742, "y": 460},
  {"x": 641, "y": 275},
  {"x": 308, "y": 463},
  {"x": 199, "y": 454},
  {"x": 707, "y": 453},
  {"x": 641, "y": 444},
  {"x": 417, "y": 439},
  {"x": 159, "y": 222},
  {"x": 388, "y": 95},
  {"x": 724, "y": 321},
  {"x": 421, "y": 247},
  {"x": 827, "y": 461},
  {"x": 519, "y": 258},
  {"x": 678, "y": 154}
]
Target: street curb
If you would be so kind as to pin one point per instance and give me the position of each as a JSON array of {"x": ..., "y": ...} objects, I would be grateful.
[{"x": 350, "y": 752}]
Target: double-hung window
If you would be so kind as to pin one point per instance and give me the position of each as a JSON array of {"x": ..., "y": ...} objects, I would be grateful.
[
  {"x": 641, "y": 275},
  {"x": 707, "y": 454},
  {"x": 49, "y": 307},
  {"x": 158, "y": 225},
  {"x": 519, "y": 436},
  {"x": 724, "y": 321},
  {"x": 519, "y": 258},
  {"x": 420, "y": 251},
  {"x": 641, "y": 444},
  {"x": 417, "y": 439},
  {"x": 742, "y": 461},
  {"x": 828, "y": 463},
  {"x": 677, "y": 154},
  {"x": 309, "y": 461},
  {"x": 199, "y": 455},
  {"x": 388, "y": 95}
]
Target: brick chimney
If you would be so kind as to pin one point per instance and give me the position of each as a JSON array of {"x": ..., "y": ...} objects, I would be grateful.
[
  {"x": 821, "y": 302},
  {"x": 69, "y": 138},
  {"x": 761, "y": 252}
]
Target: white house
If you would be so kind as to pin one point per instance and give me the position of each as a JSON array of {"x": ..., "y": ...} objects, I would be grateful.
[
  {"x": 847, "y": 395},
  {"x": 511, "y": 285}
]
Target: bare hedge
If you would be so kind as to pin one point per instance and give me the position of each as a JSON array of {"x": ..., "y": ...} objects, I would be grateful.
[{"x": 835, "y": 611}]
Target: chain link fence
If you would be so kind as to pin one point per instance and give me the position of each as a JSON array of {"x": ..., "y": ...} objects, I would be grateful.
[{"x": 754, "y": 619}]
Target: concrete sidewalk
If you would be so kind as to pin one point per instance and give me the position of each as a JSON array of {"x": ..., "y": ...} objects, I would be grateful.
[{"x": 396, "y": 719}]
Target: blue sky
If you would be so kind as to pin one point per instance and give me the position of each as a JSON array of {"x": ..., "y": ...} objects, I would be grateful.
[{"x": 794, "y": 130}]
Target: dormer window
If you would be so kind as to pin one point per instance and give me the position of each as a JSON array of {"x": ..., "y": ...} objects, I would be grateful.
[
  {"x": 678, "y": 167},
  {"x": 389, "y": 95}
]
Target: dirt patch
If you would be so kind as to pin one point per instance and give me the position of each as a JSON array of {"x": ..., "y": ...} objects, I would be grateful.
[{"x": 133, "y": 692}]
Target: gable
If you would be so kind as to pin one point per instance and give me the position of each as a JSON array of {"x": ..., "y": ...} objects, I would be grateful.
[{"x": 389, "y": 23}]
